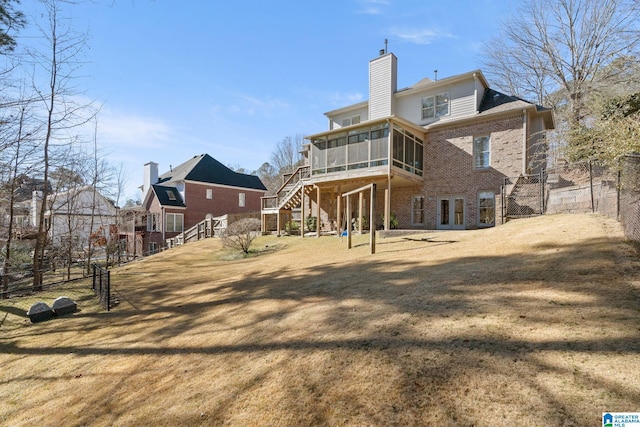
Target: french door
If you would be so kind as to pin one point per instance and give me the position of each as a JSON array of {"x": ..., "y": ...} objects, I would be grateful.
[{"x": 451, "y": 213}]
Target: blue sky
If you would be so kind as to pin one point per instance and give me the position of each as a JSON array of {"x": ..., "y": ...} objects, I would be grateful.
[{"x": 232, "y": 78}]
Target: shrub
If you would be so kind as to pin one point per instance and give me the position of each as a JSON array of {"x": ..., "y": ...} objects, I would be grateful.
[
  {"x": 240, "y": 234},
  {"x": 292, "y": 227},
  {"x": 312, "y": 223},
  {"x": 393, "y": 221}
]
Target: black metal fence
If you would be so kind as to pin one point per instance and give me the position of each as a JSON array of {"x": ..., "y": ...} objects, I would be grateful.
[
  {"x": 579, "y": 188},
  {"x": 101, "y": 284},
  {"x": 523, "y": 196},
  {"x": 19, "y": 281}
]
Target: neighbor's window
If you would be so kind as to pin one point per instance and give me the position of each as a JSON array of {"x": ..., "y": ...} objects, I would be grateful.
[
  {"x": 171, "y": 195},
  {"x": 486, "y": 209},
  {"x": 175, "y": 222},
  {"x": 435, "y": 106},
  {"x": 241, "y": 200},
  {"x": 152, "y": 222},
  {"x": 481, "y": 152},
  {"x": 209, "y": 193}
]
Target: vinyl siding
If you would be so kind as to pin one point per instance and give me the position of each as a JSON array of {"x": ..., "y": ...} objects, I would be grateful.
[
  {"x": 382, "y": 86},
  {"x": 336, "y": 121},
  {"x": 462, "y": 102}
]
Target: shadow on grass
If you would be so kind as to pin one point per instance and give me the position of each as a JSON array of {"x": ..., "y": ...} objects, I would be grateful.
[
  {"x": 391, "y": 309},
  {"x": 13, "y": 310}
]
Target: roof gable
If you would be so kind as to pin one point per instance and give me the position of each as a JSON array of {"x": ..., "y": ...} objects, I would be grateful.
[
  {"x": 168, "y": 196},
  {"x": 204, "y": 168}
]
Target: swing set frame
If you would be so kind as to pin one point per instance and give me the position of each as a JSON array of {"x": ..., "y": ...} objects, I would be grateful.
[{"x": 372, "y": 215}]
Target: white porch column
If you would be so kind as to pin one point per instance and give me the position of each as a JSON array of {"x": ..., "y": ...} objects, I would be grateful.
[{"x": 360, "y": 202}]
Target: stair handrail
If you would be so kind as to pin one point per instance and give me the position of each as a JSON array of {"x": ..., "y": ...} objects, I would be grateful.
[
  {"x": 302, "y": 172},
  {"x": 276, "y": 201}
]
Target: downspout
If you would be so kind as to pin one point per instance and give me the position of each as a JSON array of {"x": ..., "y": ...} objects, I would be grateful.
[
  {"x": 162, "y": 223},
  {"x": 525, "y": 153},
  {"x": 475, "y": 91}
]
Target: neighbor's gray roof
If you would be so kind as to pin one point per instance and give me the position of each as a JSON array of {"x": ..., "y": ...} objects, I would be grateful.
[
  {"x": 204, "y": 168},
  {"x": 168, "y": 196}
]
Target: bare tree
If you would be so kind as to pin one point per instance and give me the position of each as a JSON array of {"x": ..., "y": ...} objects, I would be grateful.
[
  {"x": 560, "y": 47},
  {"x": 54, "y": 73},
  {"x": 102, "y": 177},
  {"x": 12, "y": 181},
  {"x": 286, "y": 156},
  {"x": 269, "y": 177}
]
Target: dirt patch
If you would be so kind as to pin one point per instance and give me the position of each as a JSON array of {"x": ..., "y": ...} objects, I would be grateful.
[{"x": 534, "y": 323}]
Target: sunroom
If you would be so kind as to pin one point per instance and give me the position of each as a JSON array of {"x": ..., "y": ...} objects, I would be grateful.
[
  {"x": 380, "y": 148},
  {"x": 387, "y": 152}
]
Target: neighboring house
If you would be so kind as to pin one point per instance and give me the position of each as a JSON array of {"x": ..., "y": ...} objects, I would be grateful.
[
  {"x": 71, "y": 216},
  {"x": 188, "y": 193},
  {"x": 22, "y": 197},
  {"x": 438, "y": 152}
]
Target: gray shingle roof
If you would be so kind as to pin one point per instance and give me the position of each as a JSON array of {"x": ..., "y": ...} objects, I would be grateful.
[
  {"x": 168, "y": 196},
  {"x": 494, "y": 100},
  {"x": 204, "y": 168}
]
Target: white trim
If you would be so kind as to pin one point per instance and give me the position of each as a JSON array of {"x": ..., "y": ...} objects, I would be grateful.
[{"x": 226, "y": 186}]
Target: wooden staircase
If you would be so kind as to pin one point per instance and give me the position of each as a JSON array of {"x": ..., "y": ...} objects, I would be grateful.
[{"x": 289, "y": 195}]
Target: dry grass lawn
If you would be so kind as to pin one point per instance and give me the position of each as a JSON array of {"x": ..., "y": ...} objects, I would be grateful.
[{"x": 535, "y": 323}]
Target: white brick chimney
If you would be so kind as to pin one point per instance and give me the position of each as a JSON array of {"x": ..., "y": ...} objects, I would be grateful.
[
  {"x": 150, "y": 177},
  {"x": 383, "y": 84}
]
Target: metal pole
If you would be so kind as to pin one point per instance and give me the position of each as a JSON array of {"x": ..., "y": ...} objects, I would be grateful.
[{"x": 108, "y": 290}]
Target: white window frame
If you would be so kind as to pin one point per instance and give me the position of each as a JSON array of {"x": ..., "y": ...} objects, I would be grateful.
[
  {"x": 242, "y": 200},
  {"x": 486, "y": 195},
  {"x": 152, "y": 222},
  {"x": 173, "y": 228},
  {"x": 479, "y": 155},
  {"x": 209, "y": 193},
  {"x": 433, "y": 106},
  {"x": 353, "y": 120}
]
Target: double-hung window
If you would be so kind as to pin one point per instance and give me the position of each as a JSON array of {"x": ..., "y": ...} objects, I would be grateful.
[
  {"x": 481, "y": 152},
  {"x": 435, "y": 106},
  {"x": 486, "y": 209},
  {"x": 175, "y": 222},
  {"x": 350, "y": 121},
  {"x": 152, "y": 222}
]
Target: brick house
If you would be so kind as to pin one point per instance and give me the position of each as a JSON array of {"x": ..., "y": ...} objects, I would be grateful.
[
  {"x": 438, "y": 152},
  {"x": 186, "y": 194}
]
